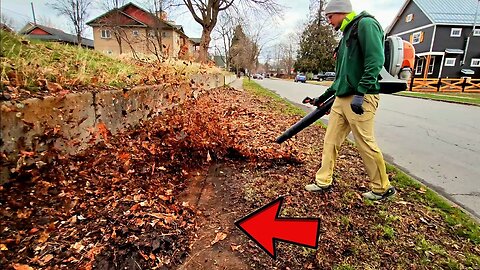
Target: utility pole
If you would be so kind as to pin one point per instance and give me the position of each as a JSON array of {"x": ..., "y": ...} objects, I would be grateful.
[
  {"x": 471, "y": 34},
  {"x": 33, "y": 12}
]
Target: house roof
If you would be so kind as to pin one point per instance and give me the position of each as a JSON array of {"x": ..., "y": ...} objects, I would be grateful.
[
  {"x": 444, "y": 12},
  {"x": 196, "y": 40},
  {"x": 134, "y": 20},
  {"x": 54, "y": 34},
  {"x": 7, "y": 28},
  {"x": 450, "y": 12},
  {"x": 219, "y": 60},
  {"x": 119, "y": 16}
]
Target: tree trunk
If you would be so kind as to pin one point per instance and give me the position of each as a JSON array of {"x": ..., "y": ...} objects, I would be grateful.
[
  {"x": 119, "y": 41},
  {"x": 79, "y": 39},
  {"x": 120, "y": 45},
  {"x": 205, "y": 41}
]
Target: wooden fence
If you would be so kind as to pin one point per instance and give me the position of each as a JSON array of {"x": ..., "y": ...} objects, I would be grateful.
[{"x": 445, "y": 85}]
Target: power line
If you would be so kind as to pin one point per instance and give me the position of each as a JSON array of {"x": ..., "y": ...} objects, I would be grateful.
[{"x": 13, "y": 11}]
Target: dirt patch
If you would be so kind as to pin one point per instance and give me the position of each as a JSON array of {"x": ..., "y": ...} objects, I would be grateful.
[{"x": 217, "y": 237}]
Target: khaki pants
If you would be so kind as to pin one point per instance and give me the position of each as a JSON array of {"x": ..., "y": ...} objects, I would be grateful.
[{"x": 342, "y": 120}]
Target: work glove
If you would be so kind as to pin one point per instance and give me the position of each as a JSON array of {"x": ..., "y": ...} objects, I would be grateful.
[
  {"x": 316, "y": 101},
  {"x": 356, "y": 104}
]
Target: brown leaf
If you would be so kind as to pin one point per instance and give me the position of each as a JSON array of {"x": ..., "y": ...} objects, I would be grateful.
[
  {"x": 12, "y": 76},
  {"x": 27, "y": 154},
  {"x": 47, "y": 258},
  {"x": 134, "y": 207},
  {"x": 42, "y": 82},
  {"x": 22, "y": 267},
  {"x": 162, "y": 216},
  {"x": 104, "y": 132},
  {"x": 235, "y": 247},
  {"x": 139, "y": 222},
  {"x": 219, "y": 237},
  {"x": 78, "y": 247},
  {"x": 123, "y": 156},
  {"x": 25, "y": 213},
  {"x": 33, "y": 230},
  {"x": 164, "y": 198},
  {"x": 43, "y": 237},
  {"x": 71, "y": 259},
  {"x": 54, "y": 87},
  {"x": 138, "y": 197},
  {"x": 145, "y": 257}
]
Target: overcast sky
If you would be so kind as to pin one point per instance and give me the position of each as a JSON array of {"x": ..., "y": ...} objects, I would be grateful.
[{"x": 294, "y": 15}]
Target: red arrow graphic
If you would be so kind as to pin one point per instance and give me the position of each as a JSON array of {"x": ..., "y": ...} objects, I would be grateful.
[{"x": 265, "y": 228}]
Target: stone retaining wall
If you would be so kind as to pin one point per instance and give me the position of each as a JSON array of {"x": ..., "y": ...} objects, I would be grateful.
[{"x": 73, "y": 122}]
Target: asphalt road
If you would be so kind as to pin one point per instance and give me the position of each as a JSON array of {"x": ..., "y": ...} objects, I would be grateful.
[{"x": 438, "y": 143}]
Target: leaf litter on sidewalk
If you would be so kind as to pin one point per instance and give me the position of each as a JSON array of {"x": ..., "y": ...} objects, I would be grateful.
[{"x": 117, "y": 205}]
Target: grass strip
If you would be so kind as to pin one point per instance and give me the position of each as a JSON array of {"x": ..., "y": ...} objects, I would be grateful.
[
  {"x": 463, "y": 224},
  {"x": 463, "y": 98}
]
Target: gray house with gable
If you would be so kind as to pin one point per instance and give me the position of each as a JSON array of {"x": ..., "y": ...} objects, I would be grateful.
[{"x": 445, "y": 34}]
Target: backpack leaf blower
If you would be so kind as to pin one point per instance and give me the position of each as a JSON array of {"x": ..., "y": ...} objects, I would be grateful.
[{"x": 398, "y": 67}]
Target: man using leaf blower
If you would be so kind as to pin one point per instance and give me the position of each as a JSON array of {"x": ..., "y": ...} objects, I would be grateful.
[{"x": 359, "y": 59}]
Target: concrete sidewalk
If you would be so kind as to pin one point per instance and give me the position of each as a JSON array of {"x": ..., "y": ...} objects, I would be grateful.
[{"x": 237, "y": 84}]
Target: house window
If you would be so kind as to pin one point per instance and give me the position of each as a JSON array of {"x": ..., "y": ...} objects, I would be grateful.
[
  {"x": 476, "y": 32},
  {"x": 456, "y": 32},
  {"x": 409, "y": 18},
  {"x": 106, "y": 34},
  {"x": 164, "y": 34},
  {"x": 135, "y": 33},
  {"x": 475, "y": 62},
  {"x": 431, "y": 65},
  {"x": 417, "y": 37},
  {"x": 419, "y": 68},
  {"x": 450, "y": 62}
]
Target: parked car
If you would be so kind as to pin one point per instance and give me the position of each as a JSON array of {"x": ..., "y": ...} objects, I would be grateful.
[
  {"x": 300, "y": 78},
  {"x": 327, "y": 76},
  {"x": 258, "y": 76}
]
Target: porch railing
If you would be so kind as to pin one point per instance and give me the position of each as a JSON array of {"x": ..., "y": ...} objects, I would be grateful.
[{"x": 445, "y": 85}]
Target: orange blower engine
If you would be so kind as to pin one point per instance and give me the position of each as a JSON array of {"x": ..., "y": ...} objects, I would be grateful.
[{"x": 398, "y": 67}]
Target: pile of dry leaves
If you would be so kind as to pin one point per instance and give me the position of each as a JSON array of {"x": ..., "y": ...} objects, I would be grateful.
[{"x": 115, "y": 205}]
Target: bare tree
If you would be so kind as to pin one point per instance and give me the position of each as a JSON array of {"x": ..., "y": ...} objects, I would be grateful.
[
  {"x": 205, "y": 12},
  {"x": 260, "y": 36},
  {"x": 155, "y": 32},
  {"x": 7, "y": 21},
  {"x": 114, "y": 23},
  {"x": 244, "y": 51},
  {"x": 46, "y": 21},
  {"x": 224, "y": 34},
  {"x": 76, "y": 11},
  {"x": 108, "y": 5},
  {"x": 284, "y": 55}
]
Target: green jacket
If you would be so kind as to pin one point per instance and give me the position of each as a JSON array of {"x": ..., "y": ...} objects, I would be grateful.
[{"x": 359, "y": 59}]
